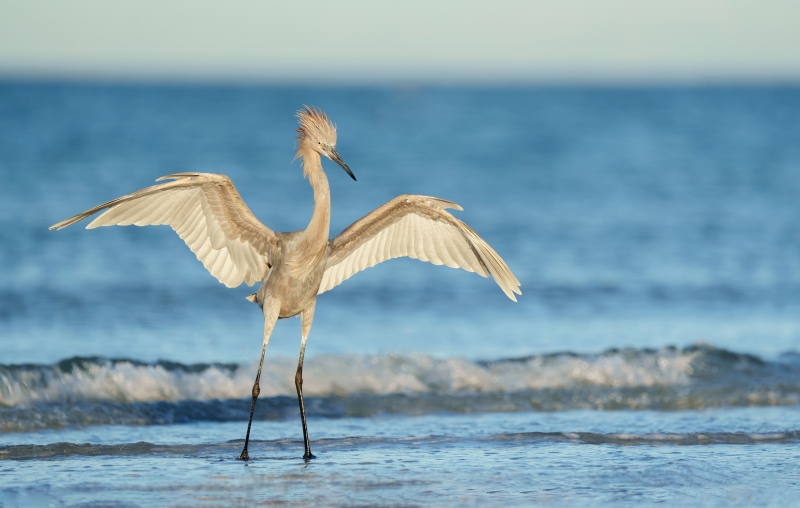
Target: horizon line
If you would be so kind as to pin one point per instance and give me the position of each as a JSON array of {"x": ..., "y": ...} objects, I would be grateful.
[{"x": 155, "y": 79}]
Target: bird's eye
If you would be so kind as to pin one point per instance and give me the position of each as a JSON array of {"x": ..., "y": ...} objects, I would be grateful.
[{"x": 320, "y": 143}]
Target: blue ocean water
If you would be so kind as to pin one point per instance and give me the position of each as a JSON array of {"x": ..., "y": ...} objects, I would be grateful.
[{"x": 652, "y": 357}]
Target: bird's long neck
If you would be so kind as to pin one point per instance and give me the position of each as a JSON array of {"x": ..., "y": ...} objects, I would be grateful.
[{"x": 316, "y": 234}]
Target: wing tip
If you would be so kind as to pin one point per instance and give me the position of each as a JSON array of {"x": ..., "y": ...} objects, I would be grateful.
[
  {"x": 510, "y": 294},
  {"x": 176, "y": 176},
  {"x": 66, "y": 222},
  {"x": 444, "y": 204}
]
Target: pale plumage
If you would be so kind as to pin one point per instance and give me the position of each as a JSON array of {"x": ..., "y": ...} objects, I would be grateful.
[
  {"x": 211, "y": 217},
  {"x": 207, "y": 213},
  {"x": 420, "y": 228}
]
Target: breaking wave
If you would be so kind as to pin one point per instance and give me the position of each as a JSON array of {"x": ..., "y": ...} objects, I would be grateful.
[{"x": 85, "y": 391}]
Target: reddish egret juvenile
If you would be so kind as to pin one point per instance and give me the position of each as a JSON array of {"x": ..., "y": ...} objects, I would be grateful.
[{"x": 209, "y": 215}]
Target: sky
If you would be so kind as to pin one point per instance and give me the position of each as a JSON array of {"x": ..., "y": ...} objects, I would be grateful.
[{"x": 440, "y": 41}]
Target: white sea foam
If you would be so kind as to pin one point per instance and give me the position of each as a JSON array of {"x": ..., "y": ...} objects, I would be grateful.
[{"x": 127, "y": 381}]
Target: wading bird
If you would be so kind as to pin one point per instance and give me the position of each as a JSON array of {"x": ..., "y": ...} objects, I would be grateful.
[{"x": 209, "y": 215}]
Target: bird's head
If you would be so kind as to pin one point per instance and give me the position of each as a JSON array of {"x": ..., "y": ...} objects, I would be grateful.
[{"x": 319, "y": 133}]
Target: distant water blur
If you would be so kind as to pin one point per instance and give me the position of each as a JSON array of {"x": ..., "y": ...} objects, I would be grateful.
[
  {"x": 632, "y": 217},
  {"x": 656, "y": 233}
]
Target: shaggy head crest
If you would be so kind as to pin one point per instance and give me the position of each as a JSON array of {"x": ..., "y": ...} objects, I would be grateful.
[{"x": 315, "y": 126}]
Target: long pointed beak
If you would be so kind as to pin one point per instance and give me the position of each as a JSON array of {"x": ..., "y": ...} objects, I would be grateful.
[{"x": 334, "y": 156}]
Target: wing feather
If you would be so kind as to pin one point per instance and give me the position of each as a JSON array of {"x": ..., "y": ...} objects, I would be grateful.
[
  {"x": 187, "y": 204},
  {"x": 443, "y": 253},
  {"x": 441, "y": 243},
  {"x": 419, "y": 241},
  {"x": 373, "y": 244},
  {"x": 417, "y": 227},
  {"x": 207, "y": 212},
  {"x": 195, "y": 225},
  {"x": 434, "y": 253},
  {"x": 394, "y": 235}
]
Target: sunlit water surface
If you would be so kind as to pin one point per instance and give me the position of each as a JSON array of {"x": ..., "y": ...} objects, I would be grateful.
[{"x": 652, "y": 358}]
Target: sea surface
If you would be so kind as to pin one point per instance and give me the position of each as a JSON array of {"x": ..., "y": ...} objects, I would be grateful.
[{"x": 653, "y": 356}]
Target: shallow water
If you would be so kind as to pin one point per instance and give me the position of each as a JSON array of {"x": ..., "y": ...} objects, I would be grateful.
[
  {"x": 519, "y": 458},
  {"x": 653, "y": 356}
]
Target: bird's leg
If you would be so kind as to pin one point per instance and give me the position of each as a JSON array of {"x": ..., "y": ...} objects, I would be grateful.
[
  {"x": 270, "y": 317},
  {"x": 307, "y": 316}
]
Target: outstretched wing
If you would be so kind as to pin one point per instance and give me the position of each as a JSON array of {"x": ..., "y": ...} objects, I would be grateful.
[
  {"x": 420, "y": 228},
  {"x": 208, "y": 213}
]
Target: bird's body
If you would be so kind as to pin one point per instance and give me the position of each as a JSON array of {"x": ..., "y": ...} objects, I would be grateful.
[
  {"x": 292, "y": 283},
  {"x": 209, "y": 215}
]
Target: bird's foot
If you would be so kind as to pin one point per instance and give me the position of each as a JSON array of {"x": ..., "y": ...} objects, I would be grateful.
[
  {"x": 308, "y": 456},
  {"x": 244, "y": 456}
]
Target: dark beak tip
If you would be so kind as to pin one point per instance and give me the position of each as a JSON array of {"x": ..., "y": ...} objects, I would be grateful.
[
  {"x": 346, "y": 169},
  {"x": 335, "y": 157}
]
